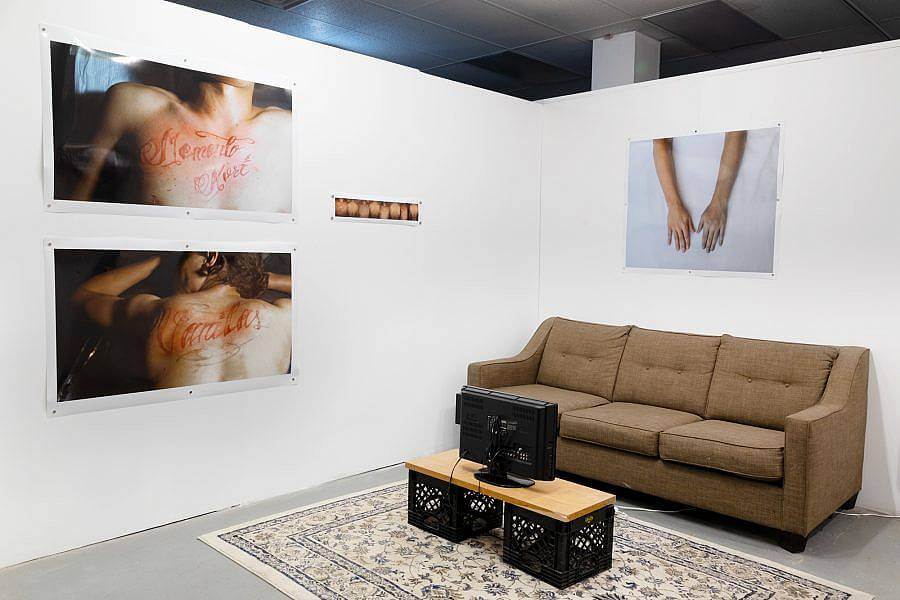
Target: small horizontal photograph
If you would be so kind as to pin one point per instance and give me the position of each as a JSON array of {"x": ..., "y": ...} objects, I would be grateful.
[{"x": 403, "y": 212}]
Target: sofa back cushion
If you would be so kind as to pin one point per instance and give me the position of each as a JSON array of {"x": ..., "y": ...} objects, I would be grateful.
[
  {"x": 761, "y": 383},
  {"x": 670, "y": 370},
  {"x": 582, "y": 357}
]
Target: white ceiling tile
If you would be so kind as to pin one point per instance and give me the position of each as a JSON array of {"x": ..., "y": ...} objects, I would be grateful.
[
  {"x": 566, "y": 15},
  {"x": 485, "y": 21}
]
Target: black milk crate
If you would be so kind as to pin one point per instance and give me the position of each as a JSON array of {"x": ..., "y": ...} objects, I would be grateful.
[
  {"x": 450, "y": 511},
  {"x": 556, "y": 552}
]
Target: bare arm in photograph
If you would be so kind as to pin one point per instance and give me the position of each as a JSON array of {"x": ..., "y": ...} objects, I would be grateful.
[
  {"x": 679, "y": 224},
  {"x": 280, "y": 283},
  {"x": 712, "y": 222},
  {"x": 101, "y": 295},
  {"x": 125, "y": 105}
]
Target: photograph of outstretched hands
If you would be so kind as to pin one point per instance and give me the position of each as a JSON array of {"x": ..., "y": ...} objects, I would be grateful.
[{"x": 704, "y": 202}]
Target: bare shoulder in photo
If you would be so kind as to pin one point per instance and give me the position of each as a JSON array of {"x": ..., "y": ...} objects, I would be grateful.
[
  {"x": 136, "y": 321},
  {"x": 135, "y": 132}
]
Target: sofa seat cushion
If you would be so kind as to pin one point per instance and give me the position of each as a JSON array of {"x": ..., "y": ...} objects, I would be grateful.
[
  {"x": 566, "y": 399},
  {"x": 622, "y": 425},
  {"x": 744, "y": 450}
]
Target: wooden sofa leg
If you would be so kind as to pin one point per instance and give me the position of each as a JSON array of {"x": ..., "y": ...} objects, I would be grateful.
[
  {"x": 792, "y": 542},
  {"x": 851, "y": 503}
]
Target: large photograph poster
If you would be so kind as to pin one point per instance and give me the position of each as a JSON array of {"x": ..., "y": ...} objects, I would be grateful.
[
  {"x": 130, "y": 133},
  {"x": 704, "y": 202},
  {"x": 131, "y": 324}
]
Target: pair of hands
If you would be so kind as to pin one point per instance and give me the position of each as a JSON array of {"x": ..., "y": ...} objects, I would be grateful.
[{"x": 711, "y": 225}]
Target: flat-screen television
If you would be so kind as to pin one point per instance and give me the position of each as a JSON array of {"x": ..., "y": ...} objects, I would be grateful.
[{"x": 512, "y": 436}]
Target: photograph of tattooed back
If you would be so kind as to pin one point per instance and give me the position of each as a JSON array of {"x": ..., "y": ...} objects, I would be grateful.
[
  {"x": 135, "y": 132},
  {"x": 133, "y": 321}
]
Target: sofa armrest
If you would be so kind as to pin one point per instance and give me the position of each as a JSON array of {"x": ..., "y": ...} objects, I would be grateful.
[
  {"x": 824, "y": 445},
  {"x": 520, "y": 369}
]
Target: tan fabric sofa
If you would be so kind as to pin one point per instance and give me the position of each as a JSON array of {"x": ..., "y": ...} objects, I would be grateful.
[{"x": 768, "y": 432}]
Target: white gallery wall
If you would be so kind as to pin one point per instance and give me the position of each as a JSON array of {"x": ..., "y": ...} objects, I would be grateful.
[
  {"x": 524, "y": 213},
  {"x": 389, "y": 315},
  {"x": 837, "y": 247}
]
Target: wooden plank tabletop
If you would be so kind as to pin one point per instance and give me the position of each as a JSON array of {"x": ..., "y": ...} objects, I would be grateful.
[{"x": 558, "y": 499}]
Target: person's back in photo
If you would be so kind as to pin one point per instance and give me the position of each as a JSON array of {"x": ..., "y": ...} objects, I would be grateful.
[{"x": 214, "y": 328}]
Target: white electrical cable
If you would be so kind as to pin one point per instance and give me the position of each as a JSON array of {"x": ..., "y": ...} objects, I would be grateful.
[
  {"x": 656, "y": 510},
  {"x": 849, "y": 514}
]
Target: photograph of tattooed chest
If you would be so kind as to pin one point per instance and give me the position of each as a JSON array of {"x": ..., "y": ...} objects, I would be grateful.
[
  {"x": 132, "y": 131},
  {"x": 133, "y": 321}
]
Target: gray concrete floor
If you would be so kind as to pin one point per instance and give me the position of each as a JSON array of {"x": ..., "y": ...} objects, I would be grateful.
[{"x": 169, "y": 562}]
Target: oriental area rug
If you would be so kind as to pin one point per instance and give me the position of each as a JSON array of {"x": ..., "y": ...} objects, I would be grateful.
[{"x": 360, "y": 547}]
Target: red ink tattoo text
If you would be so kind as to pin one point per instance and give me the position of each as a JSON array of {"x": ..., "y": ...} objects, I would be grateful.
[
  {"x": 170, "y": 150},
  {"x": 210, "y": 184},
  {"x": 181, "y": 330}
]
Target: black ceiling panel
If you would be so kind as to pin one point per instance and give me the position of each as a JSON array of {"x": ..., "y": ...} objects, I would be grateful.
[
  {"x": 431, "y": 38},
  {"x": 839, "y": 38},
  {"x": 759, "y": 52},
  {"x": 793, "y": 18},
  {"x": 282, "y": 4},
  {"x": 356, "y": 15},
  {"x": 266, "y": 16},
  {"x": 566, "y": 52},
  {"x": 537, "y": 49},
  {"x": 473, "y": 75},
  {"x": 528, "y": 70},
  {"x": 713, "y": 26},
  {"x": 676, "y": 48},
  {"x": 892, "y": 27},
  {"x": 695, "y": 64},
  {"x": 880, "y": 10},
  {"x": 552, "y": 90}
]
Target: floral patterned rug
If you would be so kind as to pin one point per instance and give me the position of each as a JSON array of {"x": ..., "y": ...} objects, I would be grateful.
[{"x": 360, "y": 547}]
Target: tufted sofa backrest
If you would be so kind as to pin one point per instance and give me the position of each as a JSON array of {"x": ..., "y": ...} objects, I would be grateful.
[
  {"x": 760, "y": 383},
  {"x": 727, "y": 378},
  {"x": 670, "y": 370},
  {"x": 582, "y": 357}
]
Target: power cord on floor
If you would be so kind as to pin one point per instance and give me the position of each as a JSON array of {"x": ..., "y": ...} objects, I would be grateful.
[
  {"x": 656, "y": 510},
  {"x": 850, "y": 514},
  {"x": 681, "y": 510}
]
